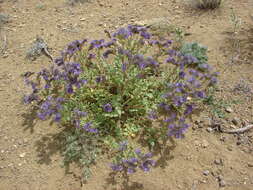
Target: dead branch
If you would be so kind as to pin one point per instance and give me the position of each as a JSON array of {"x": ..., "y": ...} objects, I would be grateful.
[{"x": 237, "y": 131}]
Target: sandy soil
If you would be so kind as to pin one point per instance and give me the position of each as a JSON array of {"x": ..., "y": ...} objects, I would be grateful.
[{"x": 204, "y": 160}]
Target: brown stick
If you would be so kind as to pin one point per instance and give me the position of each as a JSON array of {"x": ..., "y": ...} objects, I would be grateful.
[{"x": 240, "y": 130}]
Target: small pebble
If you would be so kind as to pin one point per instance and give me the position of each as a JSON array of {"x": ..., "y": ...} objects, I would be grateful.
[
  {"x": 222, "y": 183},
  {"x": 223, "y": 138},
  {"x": 205, "y": 144},
  {"x": 250, "y": 165},
  {"x": 229, "y": 110},
  {"x": 206, "y": 172},
  {"x": 209, "y": 129},
  {"x": 22, "y": 155},
  {"x": 236, "y": 121},
  {"x": 218, "y": 161}
]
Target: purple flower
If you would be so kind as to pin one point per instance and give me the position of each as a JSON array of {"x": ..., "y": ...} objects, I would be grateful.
[
  {"x": 171, "y": 118},
  {"x": 213, "y": 80},
  {"x": 57, "y": 117},
  {"x": 42, "y": 115},
  {"x": 80, "y": 113},
  {"x": 153, "y": 42},
  {"x": 107, "y": 107},
  {"x": 70, "y": 89},
  {"x": 145, "y": 166},
  {"x": 171, "y": 60},
  {"x": 200, "y": 94},
  {"x": 177, "y": 130},
  {"x": 96, "y": 44},
  {"x": 87, "y": 127},
  {"x": 123, "y": 33},
  {"x": 30, "y": 98},
  {"x": 189, "y": 110},
  {"x": 152, "y": 62},
  {"x": 130, "y": 170},
  {"x": 137, "y": 151},
  {"x": 116, "y": 167},
  {"x": 145, "y": 34},
  {"x": 45, "y": 105},
  {"x": 124, "y": 67},
  {"x": 109, "y": 44},
  {"x": 182, "y": 74},
  {"x": 179, "y": 100}
]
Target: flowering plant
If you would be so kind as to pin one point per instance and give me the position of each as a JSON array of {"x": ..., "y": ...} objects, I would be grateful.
[{"x": 132, "y": 86}]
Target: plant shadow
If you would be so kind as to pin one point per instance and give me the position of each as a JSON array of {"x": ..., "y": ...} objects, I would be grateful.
[
  {"x": 48, "y": 146},
  {"x": 123, "y": 181},
  {"x": 30, "y": 119}
]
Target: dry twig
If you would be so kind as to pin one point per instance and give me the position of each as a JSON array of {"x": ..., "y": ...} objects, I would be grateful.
[{"x": 237, "y": 131}]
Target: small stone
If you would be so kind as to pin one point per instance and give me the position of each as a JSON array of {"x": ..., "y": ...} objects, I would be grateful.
[
  {"x": 22, "y": 155},
  {"x": 230, "y": 148},
  {"x": 5, "y": 55},
  {"x": 206, "y": 172},
  {"x": 236, "y": 121},
  {"x": 250, "y": 165},
  {"x": 220, "y": 177},
  {"x": 19, "y": 164},
  {"x": 233, "y": 127},
  {"x": 209, "y": 129},
  {"x": 223, "y": 138},
  {"x": 229, "y": 110},
  {"x": 218, "y": 161},
  {"x": 82, "y": 19},
  {"x": 205, "y": 144},
  {"x": 222, "y": 183}
]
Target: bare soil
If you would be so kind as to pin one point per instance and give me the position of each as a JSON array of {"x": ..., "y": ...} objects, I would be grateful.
[{"x": 205, "y": 160}]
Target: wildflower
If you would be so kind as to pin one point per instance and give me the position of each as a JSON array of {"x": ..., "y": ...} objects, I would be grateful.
[{"x": 107, "y": 107}]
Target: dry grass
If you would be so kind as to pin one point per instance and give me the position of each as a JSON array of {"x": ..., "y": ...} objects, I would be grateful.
[{"x": 208, "y": 4}]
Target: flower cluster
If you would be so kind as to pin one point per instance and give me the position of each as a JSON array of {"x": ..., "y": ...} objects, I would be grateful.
[
  {"x": 117, "y": 88},
  {"x": 51, "y": 107},
  {"x": 130, "y": 165}
]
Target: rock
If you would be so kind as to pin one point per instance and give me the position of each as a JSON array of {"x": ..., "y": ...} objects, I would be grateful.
[
  {"x": 82, "y": 19},
  {"x": 229, "y": 110},
  {"x": 218, "y": 161},
  {"x": 223, "y": 138},
  {"x": 236, "y": 121},
  {"x": 22, "y": 155},
  {"x": 233, "y": 127},
  {"x": 250, "y": 165},
  {"x": 222, "y": 183},
  {"x": 206, "y": 172},
  {"x": 205, "y": 143},
  {"x": 209, "y": 129}
]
